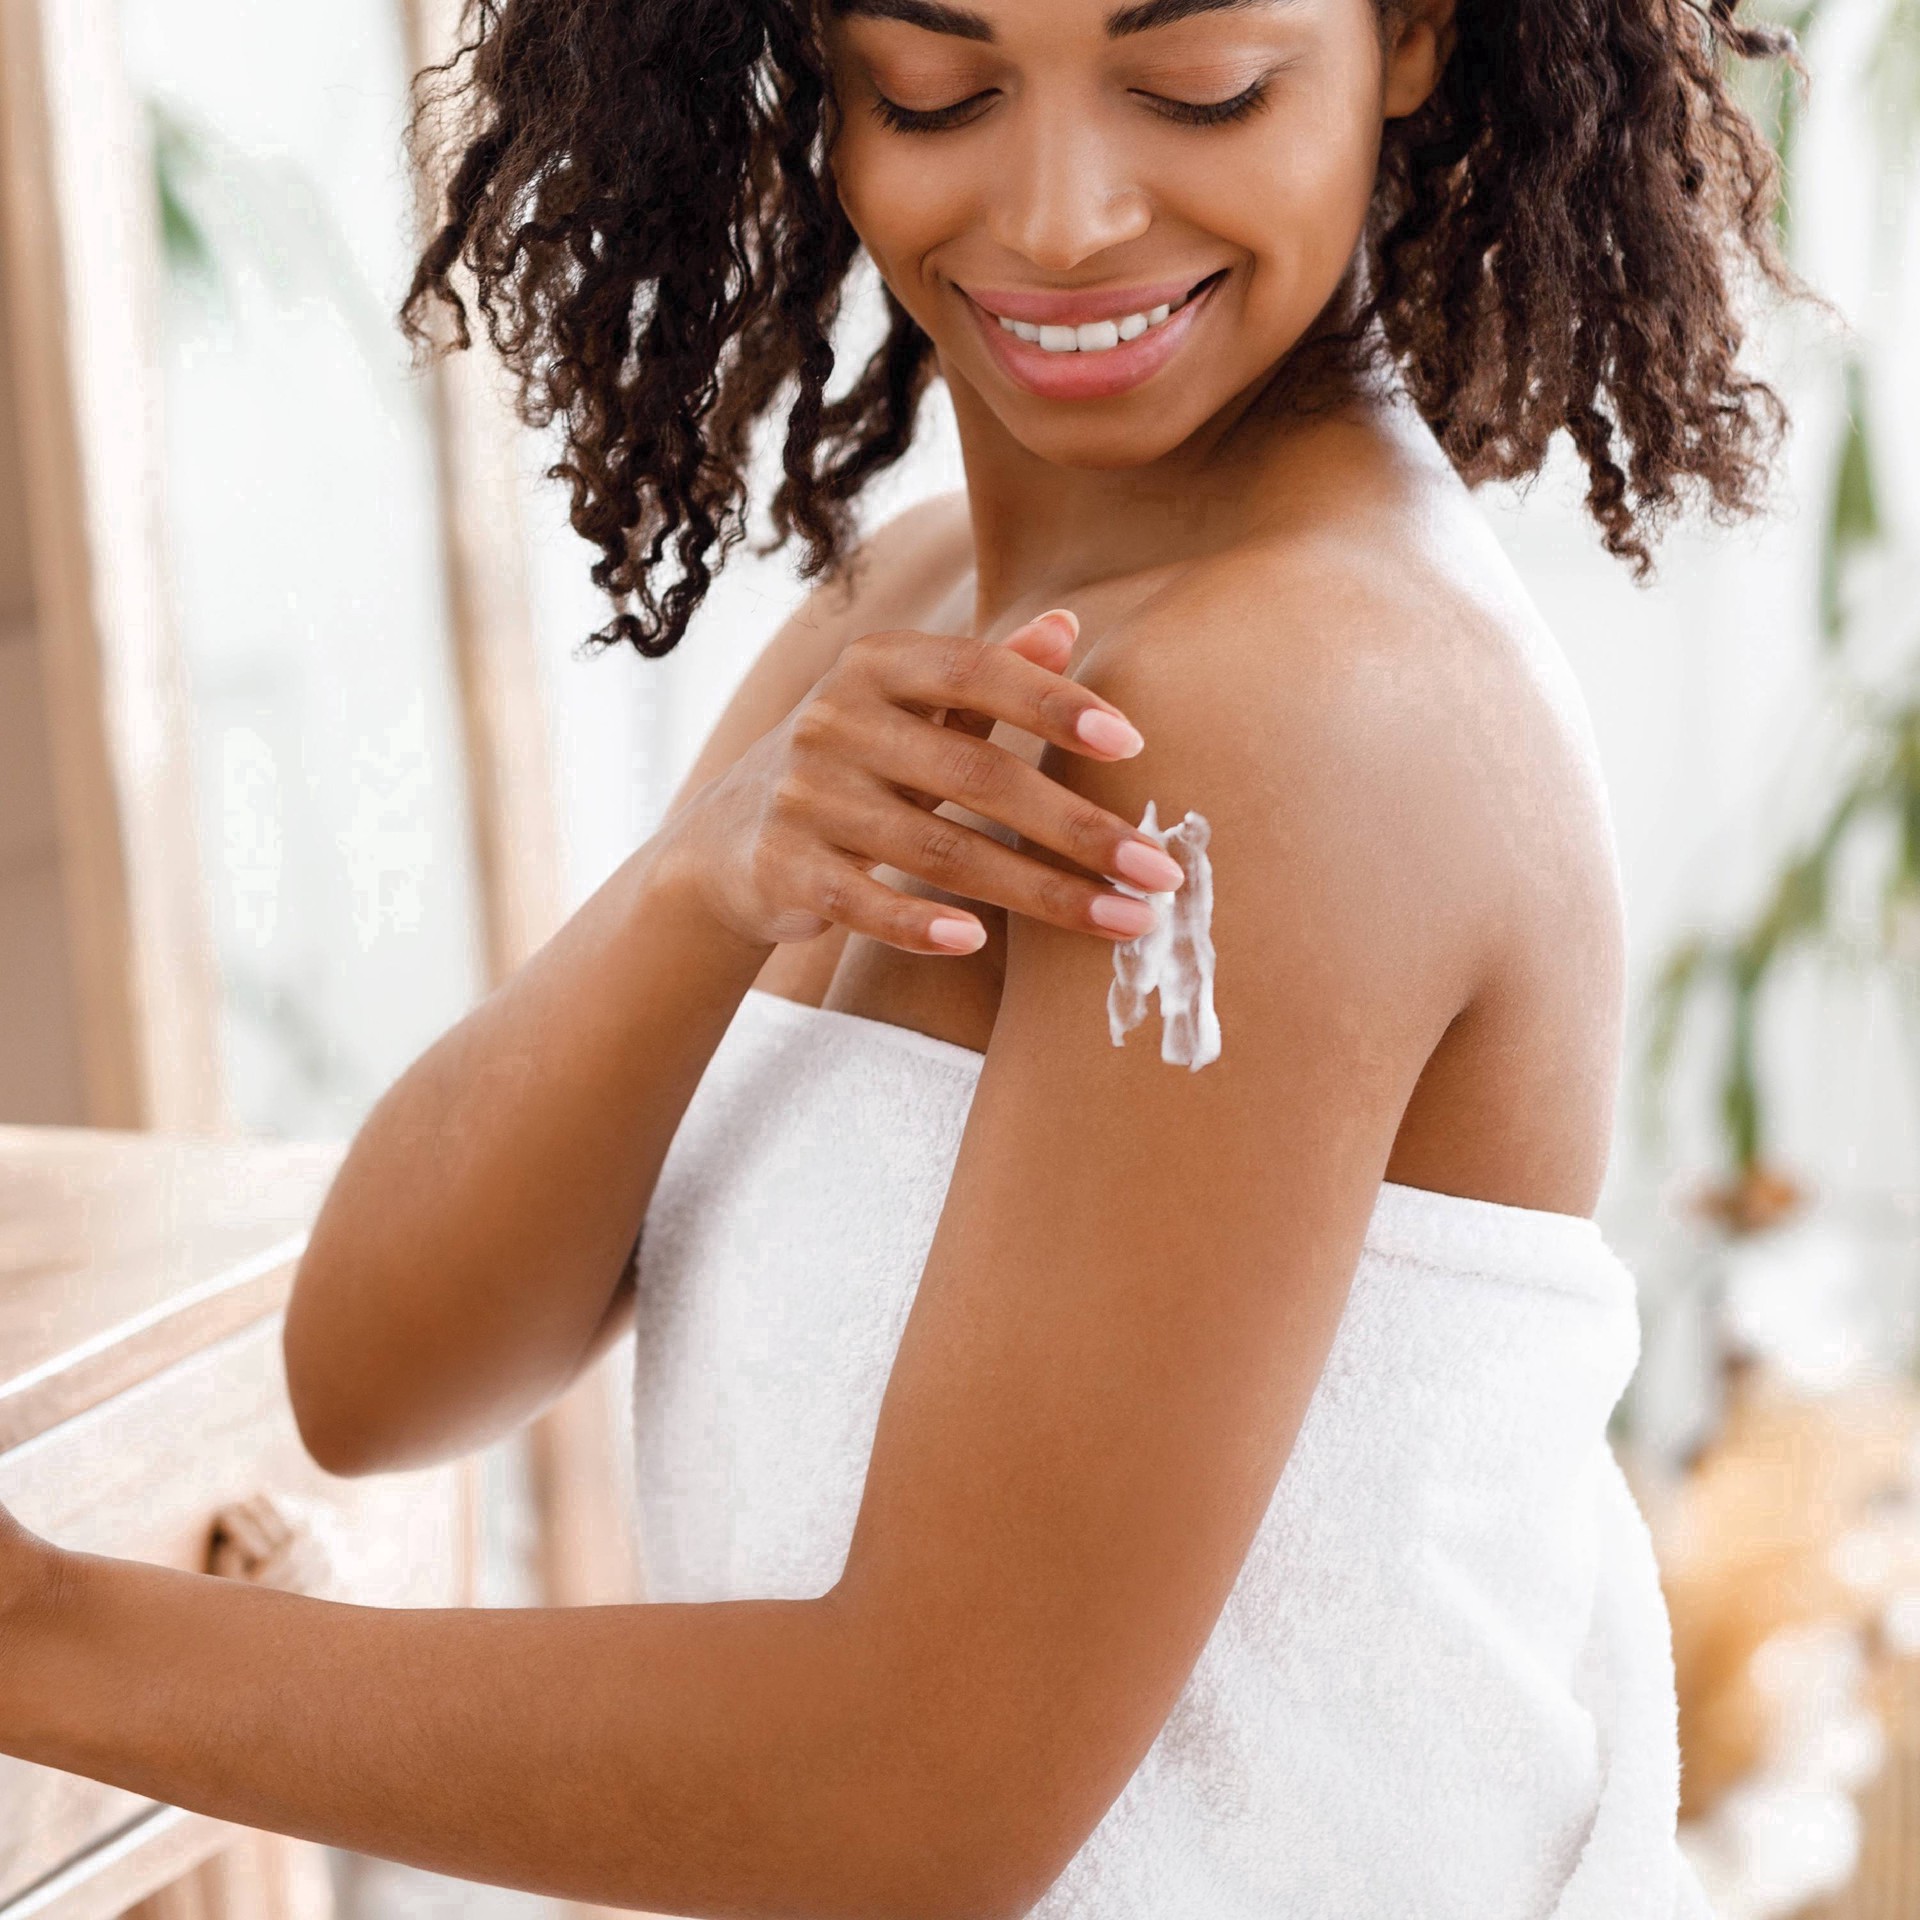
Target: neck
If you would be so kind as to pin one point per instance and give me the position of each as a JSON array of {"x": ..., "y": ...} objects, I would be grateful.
[{"x": 1043, "y": 532}]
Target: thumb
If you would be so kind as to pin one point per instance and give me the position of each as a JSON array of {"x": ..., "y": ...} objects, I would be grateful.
[{"x": 1048, "y": 639}]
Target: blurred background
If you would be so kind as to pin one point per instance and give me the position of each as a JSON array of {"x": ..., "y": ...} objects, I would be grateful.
[{"x": 351, "y": 595}]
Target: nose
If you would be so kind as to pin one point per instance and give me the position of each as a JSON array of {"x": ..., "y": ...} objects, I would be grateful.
[{"x": 1064, "y": 192}]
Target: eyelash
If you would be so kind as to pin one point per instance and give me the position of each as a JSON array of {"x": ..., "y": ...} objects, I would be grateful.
[{"x": 1214, "y": 113}]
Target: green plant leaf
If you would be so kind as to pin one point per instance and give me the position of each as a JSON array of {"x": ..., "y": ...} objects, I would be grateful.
[
  {"x": 269, "y": 215},
  {"x": 1894, "y": 70},
  {"x": 1740, "y": 1104},
  {"x": 1674, "y": 989},
  {"x": 183, "y": 240},
  {"x": 1853, "y": 516}
]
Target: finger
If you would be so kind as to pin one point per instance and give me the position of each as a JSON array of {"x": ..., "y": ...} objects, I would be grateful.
[
  {"x": 841, "y": 891},
  {"x": 932, "y": 672},
  {"x": 1046, "y": 640},
  {"x": 999, "y": 785},
  {"x": 961, "y": 860}
]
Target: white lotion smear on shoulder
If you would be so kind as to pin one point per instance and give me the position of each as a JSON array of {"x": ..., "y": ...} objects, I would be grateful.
[{"x": 1174, "y": 957}]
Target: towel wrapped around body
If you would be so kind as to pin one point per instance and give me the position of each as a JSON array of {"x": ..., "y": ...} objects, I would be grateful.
[{"x": 1442, "y": 1685}]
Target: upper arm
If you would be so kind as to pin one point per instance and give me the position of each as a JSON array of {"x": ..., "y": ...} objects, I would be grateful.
[{"x": 1140, "y": 1267}]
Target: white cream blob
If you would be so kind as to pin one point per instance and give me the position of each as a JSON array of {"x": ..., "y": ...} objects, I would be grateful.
[{"x": 1175, "y": 955}]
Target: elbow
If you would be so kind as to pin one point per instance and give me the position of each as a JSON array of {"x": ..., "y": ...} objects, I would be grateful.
[
  {"x": 331, "y": 1455},
  {"x": 1005, "y": 1882},
  {"x": 985, "y": 1877},
  {"x": 975, "y": 1891},
  {"x": 952, "y": 1793},
  {"x": 331, "y": 1445},
  {"x": 976, "y": 1849},
  {"x": 334, "y": 1441}
]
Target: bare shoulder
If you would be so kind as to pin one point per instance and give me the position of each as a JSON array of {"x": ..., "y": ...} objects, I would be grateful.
[
  {"x": 899, "y": 572},
  {"x": 901, "y": 567},
  {"x": 1418, "y": 635},
  {"x": 1386, "y": 694}
]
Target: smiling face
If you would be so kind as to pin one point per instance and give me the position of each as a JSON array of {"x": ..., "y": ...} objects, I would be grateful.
[{"x": 1114, "y": 223}]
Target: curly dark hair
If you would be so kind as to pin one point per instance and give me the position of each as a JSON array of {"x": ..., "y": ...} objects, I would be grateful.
[{"x": 639, "y": 191}]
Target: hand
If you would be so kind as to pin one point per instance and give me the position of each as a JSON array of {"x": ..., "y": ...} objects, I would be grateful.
[{"x": 781, "y": 844}]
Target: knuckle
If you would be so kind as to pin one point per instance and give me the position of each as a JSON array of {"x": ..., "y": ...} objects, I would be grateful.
[
  {"x": 1060, "y": 899},
  {"x": 942, "y": 848},
  {"x": 835, "y": 890},
  {"x": 813, "y": 725},
  {"x": 791, "y": 797},
  {"x": 764, "y": 866},
  {"x": 1090, "y": 833},
  {"x": 868, "y": 649},
  {"x": 960, "y": 660},
  {"x": 969, "y": 766},
  {"x": 1056, "y": 709}
]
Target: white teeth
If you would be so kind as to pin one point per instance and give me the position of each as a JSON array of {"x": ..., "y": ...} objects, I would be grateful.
[{"x": 1096, "y": 336}]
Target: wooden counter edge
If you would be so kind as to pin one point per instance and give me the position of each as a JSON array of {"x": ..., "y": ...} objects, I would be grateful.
[
  {"x": 149, "y": 1853},
  {"x": 121, "y": 1356}
]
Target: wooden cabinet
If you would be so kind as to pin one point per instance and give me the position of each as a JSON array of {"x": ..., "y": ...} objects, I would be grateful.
[
  {"x": 143, "y": 1413},
  {"x": 139, "y": 1279}
]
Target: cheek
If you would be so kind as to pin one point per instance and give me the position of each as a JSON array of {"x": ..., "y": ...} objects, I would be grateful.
[
  {"x": 901, "y": 204},
  {"x": 1298, "y": 197}
]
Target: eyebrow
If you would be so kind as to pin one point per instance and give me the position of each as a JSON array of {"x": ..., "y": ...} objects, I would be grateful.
[{"x": 956, "y": 21}]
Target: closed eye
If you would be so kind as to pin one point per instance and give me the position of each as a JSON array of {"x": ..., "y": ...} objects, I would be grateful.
[
  {"x": 1212, "y": 113},
  {"x": 1191, "y": 113},
  {"x": 932, "y": 120}
]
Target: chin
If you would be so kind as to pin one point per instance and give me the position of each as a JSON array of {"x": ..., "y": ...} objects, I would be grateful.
[
  {"x": 1132, "y": 430},
  {"x": 1100, "y": 445},
  {"x": 1125, "y": 430}
]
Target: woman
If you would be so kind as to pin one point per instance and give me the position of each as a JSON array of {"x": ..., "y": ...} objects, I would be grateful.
[{"x": 1079, "y": 1477}]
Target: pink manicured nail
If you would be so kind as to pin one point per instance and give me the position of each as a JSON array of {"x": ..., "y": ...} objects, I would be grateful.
[
  {"x": 963, "y": 936},
  {"x": 1108, "y": 732},
  {"x": 1118, "y": 914},
  {"x": 1148, "y": 867}
]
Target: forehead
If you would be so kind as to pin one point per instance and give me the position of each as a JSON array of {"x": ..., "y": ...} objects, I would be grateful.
[{"x": 966, "y": 23}]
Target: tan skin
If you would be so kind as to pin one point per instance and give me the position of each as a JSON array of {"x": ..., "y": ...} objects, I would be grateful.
[{"x": 1139, "y": 1269}]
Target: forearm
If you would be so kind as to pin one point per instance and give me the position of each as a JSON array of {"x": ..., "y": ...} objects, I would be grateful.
[
  {"x": 472, "y": 1241},
  {"x": 721, "y": 1759}
]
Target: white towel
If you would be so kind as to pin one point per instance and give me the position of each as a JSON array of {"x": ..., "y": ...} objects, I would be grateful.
[
  {"x": 1441, "y": 1687},
  {"x": 1630, "y": 1863}
]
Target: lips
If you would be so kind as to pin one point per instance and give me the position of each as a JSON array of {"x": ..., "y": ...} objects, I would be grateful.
[
  {"x": 1126, "y": 344},
  {"x": 1072, "y": 309}
]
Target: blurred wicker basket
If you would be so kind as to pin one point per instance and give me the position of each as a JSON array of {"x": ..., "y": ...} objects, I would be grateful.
[
  {"x": 1887, "y": 1885},
  {"x": 1801, "y": 1515}
]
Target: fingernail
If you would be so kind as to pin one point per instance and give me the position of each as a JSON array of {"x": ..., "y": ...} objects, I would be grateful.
[
  {"x": 1148, "y": 867},
  {"x": 963, "y": 936},
  {"x": 1066, "y": 615},
  {"x": 1120, "y": 915},
  {"x": 1108, "y": 732}
]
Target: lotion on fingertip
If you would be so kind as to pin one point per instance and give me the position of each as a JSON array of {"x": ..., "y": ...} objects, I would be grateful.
[{"x": 1174, "y": 957}]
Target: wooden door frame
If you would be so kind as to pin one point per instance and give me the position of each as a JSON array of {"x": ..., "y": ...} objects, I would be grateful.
[{"x": 79, "y": 232}]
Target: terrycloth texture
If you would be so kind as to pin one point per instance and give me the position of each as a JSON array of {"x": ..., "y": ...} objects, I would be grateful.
[{"x": 1442, "y": 1686}]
